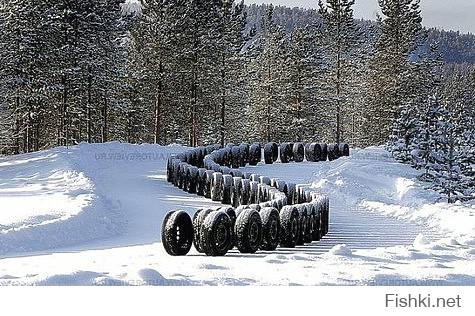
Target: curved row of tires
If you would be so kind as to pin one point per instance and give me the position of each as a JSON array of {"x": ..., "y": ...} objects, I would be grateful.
[{"x": 263, "y": 213}]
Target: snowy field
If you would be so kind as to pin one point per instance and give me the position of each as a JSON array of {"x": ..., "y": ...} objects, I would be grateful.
[{"x": 91, "y": 215}]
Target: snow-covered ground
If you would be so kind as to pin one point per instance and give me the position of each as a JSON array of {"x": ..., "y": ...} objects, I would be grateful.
[{"x": 91, "y": 215}]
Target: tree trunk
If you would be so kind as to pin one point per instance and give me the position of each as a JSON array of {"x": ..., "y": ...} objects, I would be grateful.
[
  {"x": 105, "y": 121},
  {"x": 89, "y": 105}
]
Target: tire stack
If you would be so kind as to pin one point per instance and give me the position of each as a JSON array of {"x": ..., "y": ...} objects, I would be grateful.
[{"x": 264, "y": 213}]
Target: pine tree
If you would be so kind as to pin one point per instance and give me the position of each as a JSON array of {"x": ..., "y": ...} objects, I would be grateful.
[
  {"x": 400, "y": 35},
  {"x": 267, "y": 91}
]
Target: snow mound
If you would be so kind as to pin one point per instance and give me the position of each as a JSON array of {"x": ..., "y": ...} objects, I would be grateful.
[
  {"x": 47, "y": 202},
  {"x": 340, "y": 250}
]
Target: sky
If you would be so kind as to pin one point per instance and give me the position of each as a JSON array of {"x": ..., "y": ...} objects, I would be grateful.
[{"x": 456, "y": 15}]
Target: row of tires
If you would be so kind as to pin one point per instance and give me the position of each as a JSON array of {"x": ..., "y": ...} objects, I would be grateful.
[
  {"x": 213, "y": 172},
  {"x": 248, "y": 228}
]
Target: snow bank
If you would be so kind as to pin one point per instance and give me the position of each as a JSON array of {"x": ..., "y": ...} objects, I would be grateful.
[
  {"x": 372, "y": 180},
  {"x": 59, "y": 197}
]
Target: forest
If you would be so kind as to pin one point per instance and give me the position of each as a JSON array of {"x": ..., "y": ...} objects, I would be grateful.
[{"x": 197, "y": 72}]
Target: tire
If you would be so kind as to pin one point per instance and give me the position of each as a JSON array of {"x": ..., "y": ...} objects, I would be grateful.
[
  {"x": 244, "y": 150},
  {"x": 324, "y": 156},
  {"x": 303, "y": 221},
  {"x": 254, "y": 192},
  {"x": 255, "y": 177},
  {"x": 262, "y": 193},
  {"x": 344, "y": 150},
  {"x": 254, "y": 154},
  {"x": 198, "y": 220},
  {"x": 227, "y": 190},
  {"x": 181, "y": 175},
  {"x": 201, "y": 184},
  {"x": 308, "y": 153},
  {"x": 248, "y": 231},
  {"x": 275, "y": 152},
  {"x": 232, "y": 215},
  {"x": 326, "y": 217},
  {"x": 289, "y": 221},
  {"x": 217, "y": 187},
  {"x": 299, "y": 152},
  {"x": 264, "y": 180},
  {"x": 300, "y": 195},
  {"x": 170, "y": 169},
  {"x": 186, "y": 177},
  {"x": 269, "y": 149},
  {"x": 308, "y": 234},
  {"x": 291, "y": 193},
  {"x": 333, "y": 152},
  {"x": 315, "y": 152},
  {"x": 236, "y": 157},
  {"x": 177, "y": 233},
  {"x": 282, "y": 186},
  {"x": 236, "y": 173},
  {"x": 225, "y": 170},
  {"x": 208, "y": 184},
  {"x": 245, "y": 192},
  {"x": 193, "y": 179},
  {"x": 285, "y": 153},
  {"x": 316, "y": 233},
  {"x": 216, "y": 236},
  {"x": 270, "y": 228},
  {"x": 237, "y": 191}
]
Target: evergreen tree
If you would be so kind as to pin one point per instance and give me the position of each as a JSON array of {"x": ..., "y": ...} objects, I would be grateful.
[{"x": 400, "y": 35}]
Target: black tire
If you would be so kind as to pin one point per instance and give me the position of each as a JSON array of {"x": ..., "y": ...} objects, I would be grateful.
[
  {"x": 315, "y": 152},
  {"x": 324, "y": 156},
  {"x": 308, "y": 153},
  {"x": 236, "y": 157},
  {"x": 201, "y": 184},
  {"x": 181, "y": 175},
  {"x": 263, "y": 195},
  {"x": 289, "y": 223},
  {"x": 232, "y": 215},
  {"x": 227, "y": 190},
  {"x": 198, "y": 220},
  {"x": 264, "y": 180},
  {"x": 248, "y": 231},
  {"x": 244, "y": 151},
  {"x": 299, "y": 152},
  {"x": 333, "y": 152},
  {"x": 193, "y": 179},
  {"x": 217, "y": 187},
  {"x": 254, "y": 192},
  {"x": 303, "y": 222},
  {"x": 344, "y": 150},
  {"x": 308, "y": 235},
  {"x": 186, "y": 177},
  {"x": 282, "y": 186},
  {"x": 254, "y": 154},
  {"x": 236, "y": 173},
  {"x": 245, "y": 192},
  {"x": 208, "y": 184},
  {"x": 270, "y": 228},
  {"x": 315, "y": 217},
  {"x": 291, "y": 193},
  {"x": 275, "y": 152},
  {"x": 285, "y": 153},
  {"x": 170, "y": 169},
  {"x": 216, "y": 236},
  {"x": 237, "y": 191},
  {"x": 177, "y": 233},
  {"x": 269, "y": 150}
]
